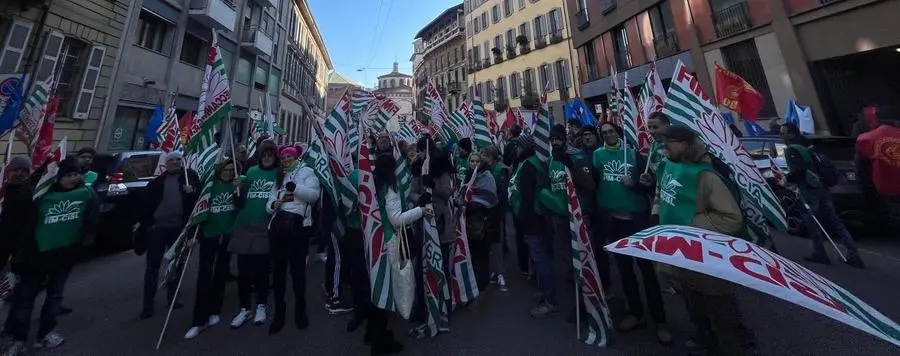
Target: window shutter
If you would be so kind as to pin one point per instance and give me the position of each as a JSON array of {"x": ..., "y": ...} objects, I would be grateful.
[
  {"x": 551, "y": 76},
  {"x": 89, "y": 83},
  {"x": 560, "y": 21},
  {"x": 50, "y": 56},
  {"x": 14, "y": 46},
  {"x": 565, "y": 73}
]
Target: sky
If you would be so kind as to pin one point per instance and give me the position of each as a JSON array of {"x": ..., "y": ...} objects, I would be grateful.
[{"x": 365, "y": 37}]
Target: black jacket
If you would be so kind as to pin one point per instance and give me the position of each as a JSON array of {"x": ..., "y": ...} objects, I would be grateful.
[
  {"x": 530, "y": 182},
  {"x": 154, "y": 194}
]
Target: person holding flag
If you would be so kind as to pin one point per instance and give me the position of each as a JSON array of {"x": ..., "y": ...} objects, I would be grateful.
[
  {"x": 167, "y": 207},
  {"x": 63, "y": 220},
  {"x": 295, "y": 192},
  {"x": 250, "y": 241},
  {"x": 213, "y": 270},
  {"x": 481, "y": 225},
  {"x": 623, "y": 206}
]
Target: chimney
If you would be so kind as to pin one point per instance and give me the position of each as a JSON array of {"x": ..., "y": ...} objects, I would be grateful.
[{"x": 396, "y": 67}]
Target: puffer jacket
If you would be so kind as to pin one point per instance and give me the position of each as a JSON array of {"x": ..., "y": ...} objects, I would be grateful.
[{"x": 306, "y": 193}]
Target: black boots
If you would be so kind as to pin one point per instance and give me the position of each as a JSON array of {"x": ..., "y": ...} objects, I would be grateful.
[
  {"x": 300, "y": 319},
  {"x": 278, "y": 321},
  {"x": 384, "y": 344}
]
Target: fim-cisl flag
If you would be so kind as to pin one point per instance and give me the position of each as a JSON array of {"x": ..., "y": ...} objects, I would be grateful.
[
  {"x": 463, "y": 288},
  {"x": 596, "y": 326},
  {"x": 744, "y": 263},
  {"x": 215, "y": 101},
  {"x": 375, "y": 234}
]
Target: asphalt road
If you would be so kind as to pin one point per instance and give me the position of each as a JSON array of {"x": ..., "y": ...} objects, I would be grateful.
[{"x": 106, "y": 296}]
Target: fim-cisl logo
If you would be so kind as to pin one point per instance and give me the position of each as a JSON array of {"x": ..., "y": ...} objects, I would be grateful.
[
  {"x": 63, "y": 211},
  {"x": 260, "y": 189},
  {"x": 669, "y": 188},
  {"x": 222, "y": 203},
  {"x": 613, "y": 171}
]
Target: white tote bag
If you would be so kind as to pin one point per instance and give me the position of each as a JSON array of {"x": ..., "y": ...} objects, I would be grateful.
[{"x": 403, "y": 279}]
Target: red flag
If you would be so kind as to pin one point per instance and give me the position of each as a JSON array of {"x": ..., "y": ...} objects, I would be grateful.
[
  {"x": 776, "y": 172},
  {"x": 43, "y": 146},
  {"x": 735, "y": 93},
  {"x": 186, "y": 124}
]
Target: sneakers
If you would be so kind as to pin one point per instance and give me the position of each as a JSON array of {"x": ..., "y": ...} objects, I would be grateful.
[
  {"x": 321, "y": 257},
  {"x": 16, "y": 349},
  {"x": 214, "y": 320},
  {"x": 52, "y": 340},
  {"x": 337, "y": 306},
  {"x": 259, "y": 317},
  {"x": 192, "y": 332},
  {"x": 240, "y": 318},
  {"x": 543, "y": 310},
  {"x": 501, "y": 281}
]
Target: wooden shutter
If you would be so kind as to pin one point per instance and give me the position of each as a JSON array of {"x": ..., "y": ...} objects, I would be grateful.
[
  {"x": 583, "y": 64},
  {"x": 89, "y": 83},
  {"x": 14, "y": 46},
  {"x": 52, "y": 45},
  {"x": 560, "y": 21},
  {"x": 551, "y": 76}
]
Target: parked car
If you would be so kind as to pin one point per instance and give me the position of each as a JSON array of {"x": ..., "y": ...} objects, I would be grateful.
[
  {"x": 123, "y": 181},
  {"x": 849, "y": 198}
]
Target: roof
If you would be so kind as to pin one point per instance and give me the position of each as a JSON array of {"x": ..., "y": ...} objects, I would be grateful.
[
  {"x": 438, "y": 19},
  {"x": 395, "y": 74},
  {"x": 338, "y": 78}
]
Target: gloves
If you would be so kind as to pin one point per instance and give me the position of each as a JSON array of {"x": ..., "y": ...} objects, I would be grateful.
[
  {"x": 427, "y": 181},
  {"x": 424, "y": 199}
]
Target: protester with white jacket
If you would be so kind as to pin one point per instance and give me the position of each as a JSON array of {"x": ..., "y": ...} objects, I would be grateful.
[{"x": 296, "y": 189}]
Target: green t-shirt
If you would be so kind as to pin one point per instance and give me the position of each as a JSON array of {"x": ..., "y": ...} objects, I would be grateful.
[
  {"x": 677, "y": 184},
  {"x": 556, "y": 198},
  {"x": 89, "y": 178},
  {"x": 61, "y": 218},
  {"x": 611, "y": 168},
  {"x": 259, "y": 184},
  {"x": 222, "y": 212}
]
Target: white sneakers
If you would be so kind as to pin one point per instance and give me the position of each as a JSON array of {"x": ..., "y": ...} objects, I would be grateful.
[
  {"x": 51, "y": 340},
  {"x": 243, "y": 315},
  {"x": 195, "y": 330},
  {"x": 260, "y": 317},
  {"x": 501, "y": 281}
]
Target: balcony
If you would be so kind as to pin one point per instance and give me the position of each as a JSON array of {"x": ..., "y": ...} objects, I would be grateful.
[
  {"x": 498, "y": 55},
  {"x": 218, "y": 14},
  {"x": 540, "y": 42},
  {"x": 582, "y": 18},
  {"x": 732, "y": 19},
  {"x": 665, "y": 45},
  {"x": 454, "y": 87},
  {"x": 441, "y": 38},
  {"x": 267, "y": 3},
  {"x": 254, "y": 39},
  {"x": 511, "y": 51},
  {"x": 487, "y": 63},
  {"x": 556, "y": 36},
  {"x": 524, "y": 44}
]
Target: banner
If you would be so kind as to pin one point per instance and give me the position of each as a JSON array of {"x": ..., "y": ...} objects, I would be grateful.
[
  {"x": 741, "y": 262},
  {"x": 735, "y": 93}
]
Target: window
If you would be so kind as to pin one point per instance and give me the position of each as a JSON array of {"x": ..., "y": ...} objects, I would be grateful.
[
  {"x": 562, "y": 74},
  {"x": 498, "y": 43},
  {"x": 151, "y": 33},
  {"x": 127, "y": 132},
  {"x": 539, "y": 27},
  {"x": 495, "y": 14},
  {"x": 244, "y": 69},
  {"x": 515, "y": 87},
  {"x": 511, "y": 39},
  {"x": 69, "y": 66},
  {"x": 470, "y": 29},
  {"x": 521, "y": 4},
  {"x": 528, "y": 81},
  {"x": 590, "y": 61},
  {"x": 742, "y": 58},
  {"x": 194, "y": 51},
  {"x": 13, "y": 50},
  {"x": 488, "y": 91},
  {"x": 545, "y": 77},
  {"x": 261, "y": 76},
  {"x": 524, "y": 31},
  {"x": 275, "y": 42},
  {"x": 663, "y": 29},
  {"x": 484, "y": 20},
  {"x": 620, "y": 48},
  {"x": 477, "y": 24},
  {"x": 477, "y": 54},
  {"x": 274, "y": 81},
  {"x": 556, "y": 22},
  {"x": 507, "y": 8},
  {"x": 501, "y": 89}
]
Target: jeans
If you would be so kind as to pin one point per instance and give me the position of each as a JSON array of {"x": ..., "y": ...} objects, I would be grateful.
[
  {"x": 480, "y": 252},
  {"x": 23, "y": 298},
  {"x": 253, "y": 277},
  {"x": 522, "y": 255},
  {"x": 158, "y": 240},
  {"x": 618, "y": 229},
  {"x": 820, "y": 204},
  {"x": 212, "y": 274},
  {"x": 289, "y": 242},
  {"x": 541, "y": 249}
]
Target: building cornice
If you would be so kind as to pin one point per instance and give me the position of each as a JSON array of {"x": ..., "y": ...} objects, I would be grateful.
[{"x": 317, "y": 36}]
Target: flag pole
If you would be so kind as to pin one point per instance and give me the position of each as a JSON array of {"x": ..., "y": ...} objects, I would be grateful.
[{"x": 177, "y": 289}]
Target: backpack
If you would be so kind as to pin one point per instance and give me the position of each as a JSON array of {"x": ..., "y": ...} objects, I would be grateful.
[{"x": 828, "y": 173}]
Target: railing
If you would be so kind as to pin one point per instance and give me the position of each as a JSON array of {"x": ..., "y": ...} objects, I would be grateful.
[
  {"x": 582, "y": 17},
  {"x": 510, "y": 52},
  {"x": 249, "y": 33},
  {"x": 540, "y": 42},
  {"x": 556, "y": 36},
  {"x": 441, "y": 39},
  {"x": 732, "y": 19},
  {"x": 498, "y": 55},
  {"x": 665, "y": 45},
  {"x": 487, "y": 63}
]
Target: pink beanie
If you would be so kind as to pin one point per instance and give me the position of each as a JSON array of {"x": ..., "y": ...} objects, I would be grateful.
[{"x": 288, "y": 150}]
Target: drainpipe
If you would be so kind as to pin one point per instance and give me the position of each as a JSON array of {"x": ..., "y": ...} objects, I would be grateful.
[{"x": 116, "y": 82}]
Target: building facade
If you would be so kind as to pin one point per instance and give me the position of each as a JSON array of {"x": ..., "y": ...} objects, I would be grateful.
[
  {"x": 417, "y": 59},
  {"x": 519, "y": 50},
  {"x": 263, "y": 44},
  {"x": 398, "y": 87},
  {"x": 826, "y": 54},
  {"x": 442, "y": 48},
  {"x": 76, "y": 42},
  {"x": 337, "y": 84}
]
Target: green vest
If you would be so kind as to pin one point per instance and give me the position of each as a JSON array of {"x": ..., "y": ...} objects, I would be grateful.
[
  {"x": 611, "y": 193},
  {"x": 655, "y": 156},
  {"x": 515, "y": 195},
  {"x": 221, "y": 210},
  {"x": 353, "y": 219},
  {"x": 260, "y": 183},
  {"x": 89, "y": 178},
  {"x": 812, "y": 177},
  {"x": 462, "y": 166},
  {"x": 61, "y": 218},
  {"x": 677, "y": 184},
  {"x": 556, "y": 199}
]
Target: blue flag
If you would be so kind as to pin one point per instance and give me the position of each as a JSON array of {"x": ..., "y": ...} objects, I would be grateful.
[
  {"x": 576, "y": 110},
  {"x": 754, "y": 129},
  {"x": 13, "y": 107},
  {"x": 156, "y": 120}
]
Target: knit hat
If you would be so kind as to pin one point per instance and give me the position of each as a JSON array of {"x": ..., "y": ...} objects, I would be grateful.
[
  {"x": 525, "y": 141},
  {"x": 174, "y": 154},
  {"x": 66, "y": 166},
  {"x": 558, "y": 131},
  {"x": 289, "y": 150},
  {"x": 19, "y": 162},
  {"x": 589, "y": 130}
]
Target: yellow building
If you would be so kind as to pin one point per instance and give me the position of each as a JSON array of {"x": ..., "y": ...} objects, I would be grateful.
[{"x": 518, "y": 49}]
